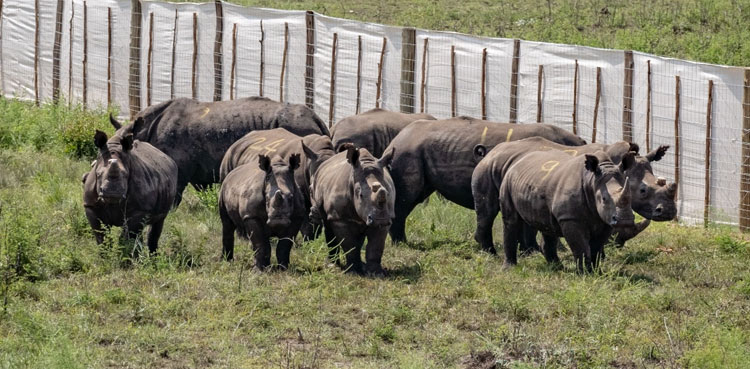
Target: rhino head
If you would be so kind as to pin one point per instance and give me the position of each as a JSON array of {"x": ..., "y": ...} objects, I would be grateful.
[
  {"x": 112, "y": 166},
  {"x": 653, "y": 198},
  {"x": 279, "y": 189},
  {"x": 612, "y": 192},
  {"x": 373, "y": 192}
]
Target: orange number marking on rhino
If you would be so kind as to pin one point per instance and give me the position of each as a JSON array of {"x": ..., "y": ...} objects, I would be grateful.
[
  {"x": 484, "y": 135},
  {"x": 205, "y": 112},
  {"x": 510, "y": 133},
  {"x": 271, "y": 147},
  {"x": 256, "y": 145},
  {"x": 549, "y": 166}
]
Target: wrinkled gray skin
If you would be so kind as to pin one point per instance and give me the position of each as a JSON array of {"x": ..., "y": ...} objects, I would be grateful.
[
  {"x": 353, "y": 197},
  {"x": 438, "y": 155},
  {"x": 197, "y": 134},
  {"x": 281, "y": 142},
  {"x": 373, "y": 130},
  {"x": 579, "y": 198},
  {"x": 131, "y": 184},
  {"x": 261, "y": 200},
  {"x": 650, "y": 198}
]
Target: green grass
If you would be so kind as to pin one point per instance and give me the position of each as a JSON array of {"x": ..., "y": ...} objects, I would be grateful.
[
  {"x": 712, "y": 31},
  {"x": 674, "y": 297}
]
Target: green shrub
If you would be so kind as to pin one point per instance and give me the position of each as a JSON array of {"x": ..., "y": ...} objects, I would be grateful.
[{"x": 77, "y": 133}]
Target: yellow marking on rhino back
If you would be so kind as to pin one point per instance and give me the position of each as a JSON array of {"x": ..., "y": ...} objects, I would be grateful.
[
  {"x": 271, "y": 147},
  {"x": 549, "y": 166},
  {"x": 256, "y": 144},
  {"x": 510, "y": 133},
  {"x": 484, "y": 135},
  {"x": 571, "y": 151},
  {"x": 205, "y": 112}
]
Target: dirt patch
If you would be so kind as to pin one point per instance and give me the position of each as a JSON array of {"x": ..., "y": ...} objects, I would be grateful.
[{"x": 479, "y": 360}]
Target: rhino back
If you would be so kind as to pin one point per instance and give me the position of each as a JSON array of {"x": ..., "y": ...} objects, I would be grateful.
[
  {"x": 246, "y": 150},
  {"x": 373, "y": 129},
  {"x": 153, "y": 179}
]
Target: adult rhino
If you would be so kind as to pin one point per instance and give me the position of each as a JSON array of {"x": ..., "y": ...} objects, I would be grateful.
[
  {"x": 197, "y": 134},
  {"x": 651, "y": 197},
  {"x": 373, "y": 130},
  {"x": 261, "y": 200},
  {"x": 279, "y": 141},
  {"x": 576, "y": 197},
  {"x": 437, "y": 155},
  {"x": 353, "y": 197},
  {"x": 131, "y": 184}
]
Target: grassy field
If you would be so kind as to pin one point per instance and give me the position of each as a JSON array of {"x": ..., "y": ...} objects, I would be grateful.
[
  {"x": 712, "y": 31},
  {"x": 674, "y": 297}
]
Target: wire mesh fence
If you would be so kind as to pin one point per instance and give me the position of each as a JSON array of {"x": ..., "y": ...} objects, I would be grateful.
[{"x": 129, "y": 54}]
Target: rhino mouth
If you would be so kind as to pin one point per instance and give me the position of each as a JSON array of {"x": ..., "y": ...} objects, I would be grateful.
[{"x": 278, "y": 222}]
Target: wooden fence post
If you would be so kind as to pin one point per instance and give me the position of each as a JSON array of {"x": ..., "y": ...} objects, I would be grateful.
[
  {"x": 332, "y": 96},
  {"x": 596, "y": 102},
  {"x": 575, "y": 100},
  {"x": 677, "y": 132},
  {"x": 149, "y": 55},
  {"x": 109, "y": 57},
  {"x": 233, "y": 72},
  {"x": 539, "y": 94},
  {"x": 745, "y": 174},
  {"x": 707, "y": 185},
  {"x": 453, "y": 81},
  {"x": 194, "y": 83},
  {"x": 359, "y": 72},
  {"x": 56, "y": 48},
  {"x": 310, "y": 60},
  {"x": 174, "y": 55},
  {"x": 627, "y": 99},
  {"x": 514, "y": 81},
  {"x": 484, "y": 84},
  {"x": 134, "y": 80},
  {"x": 424, "y": 75},
  {"x": 262, "y": 58},
  {"x": 36, "y": 51},
  {"x": 283, "y": 61},
  {"x": 408, "y": 62},
  {"x": 379, "y": 84},
  {"x": 219, "y": 52},
  {"x": 648, "y": 107}
]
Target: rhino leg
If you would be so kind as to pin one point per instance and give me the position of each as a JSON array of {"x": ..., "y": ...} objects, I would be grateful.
[
  {"x": 96, "y": 225},
  {"x": 261, "y": 244},
  {"x": 351, "y": 244},
  {"x": 597, "y": 248},
  {"x": 550, "y": 249},
  {"x": 227, "y": 234},
  {"x": 283, "y": 249},
  {"x": 528, "y": 241},
  {"x": 411, "y": 190},
  {"x": 486, "y": 208},
  {"x": 578, "y": 241},
  {"x": 153, "y": 235},
  {"x": 132, "y": 231},
  {"x": 334, "y": 244},
  {"x": 374, "y": 250},
  {"x": 512, "y": 231}
]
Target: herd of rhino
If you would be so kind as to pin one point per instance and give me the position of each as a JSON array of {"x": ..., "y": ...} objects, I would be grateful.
[{"x": 282, "y": 172}]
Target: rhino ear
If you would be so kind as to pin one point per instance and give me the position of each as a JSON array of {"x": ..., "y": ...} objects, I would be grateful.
[
  {"x": 114, "y": 122},
  {"x": 657, "y": 154},
  {"x": 100, "y": 140},
  {"x": 480, "y": 151},
  {"x": 592, "y": 163},
  {"x": 344, "y": 146},
  {"x": 352, "y": 156},
  {"x": 312, "y": 155},
  {"x": 264, "y": 163},
  {"x": 387, "y": 158},
  {"x": 634, "y": 147},
  {"x": 294, "y": 162},
  {"x": 138, "y": 124},
  {"x": 628, "y": 161},
  {"x": 127, "y": 142}
]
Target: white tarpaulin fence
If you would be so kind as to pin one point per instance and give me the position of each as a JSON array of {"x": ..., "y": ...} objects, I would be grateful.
[{"x": 440, "y": 73}]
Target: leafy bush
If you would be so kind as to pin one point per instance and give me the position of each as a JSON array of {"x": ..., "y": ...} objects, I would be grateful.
[{"x": 77, "y": 133}]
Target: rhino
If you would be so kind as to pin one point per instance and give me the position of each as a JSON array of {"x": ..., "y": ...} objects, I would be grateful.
[
  {"x": 281, "y": 142},
  {"x": 373, "y": 129},
  {"x": 259, "y": 201},
  {"x": 577, "y": 197},
  {"x": 353, "y": 197},
  {"x": 437, "y": 155},
  {"x": 652, "y": 198},
  {"x": 197, "y": 134},
  {"x": 131, "y": 184}
]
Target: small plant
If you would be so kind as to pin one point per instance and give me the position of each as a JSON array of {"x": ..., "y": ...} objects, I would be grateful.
[{"x": 729, "y": 245}]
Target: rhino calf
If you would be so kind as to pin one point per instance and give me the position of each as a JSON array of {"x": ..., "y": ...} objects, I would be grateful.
[
  {"x": 353, "y": 197},
  {"x": 579, "y": 198},
  {"x": 373, "y": 130},
  {"x": 131, "y": 184},
  {"x": 261, "y": 201}
]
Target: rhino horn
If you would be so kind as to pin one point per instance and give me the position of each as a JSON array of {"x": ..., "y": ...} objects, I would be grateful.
[
  {"x": 380, "y": 196},
  {"x": 624, "y": 234},
  {"x": 661, "y": 181},
  {"x": 376, "y": 186},
  {"x": 278, "y": 199},
  {"x": 672, "y": 190},
  {"x": 624, "y": 199}
]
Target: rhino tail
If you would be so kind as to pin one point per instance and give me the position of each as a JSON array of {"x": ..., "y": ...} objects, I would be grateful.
[{"x": 321, "y": 124}]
